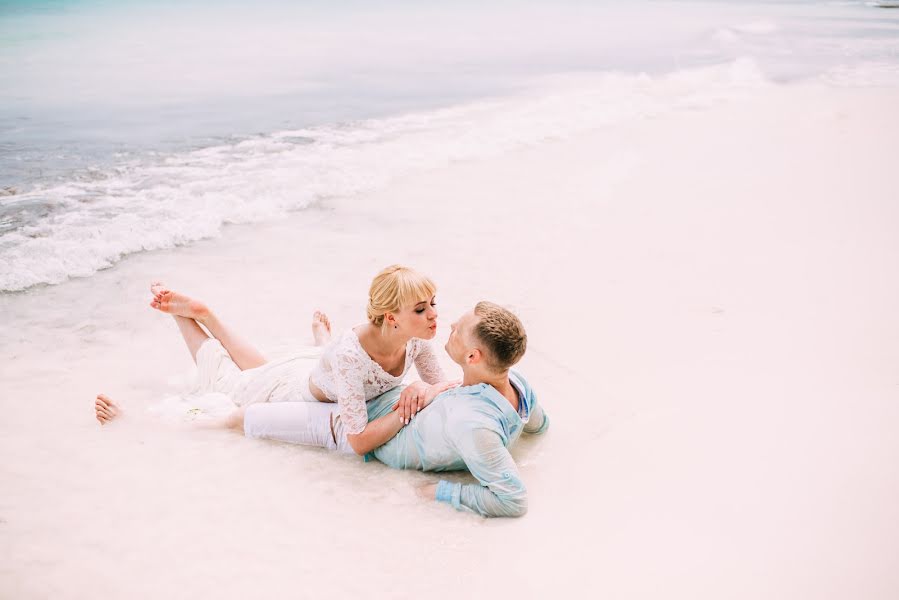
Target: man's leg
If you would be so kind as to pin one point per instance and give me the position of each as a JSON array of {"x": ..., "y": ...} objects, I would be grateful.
[
  {"x": 232, "y": 421},
  {"x": 105, "y": 409},
  {"x": 306, "y": 423}
]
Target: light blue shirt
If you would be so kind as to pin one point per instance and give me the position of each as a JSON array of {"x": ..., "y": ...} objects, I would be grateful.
[{"x": 469, "y": 428}]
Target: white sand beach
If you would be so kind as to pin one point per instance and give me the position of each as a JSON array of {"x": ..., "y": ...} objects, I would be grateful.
[{"x": 710, "y": 297}]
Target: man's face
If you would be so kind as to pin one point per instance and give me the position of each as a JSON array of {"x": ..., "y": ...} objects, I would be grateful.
[{"x": 460, "y": 343}]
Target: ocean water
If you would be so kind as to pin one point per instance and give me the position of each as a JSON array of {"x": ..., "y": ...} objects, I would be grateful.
[{"x": 134, "y": 126}]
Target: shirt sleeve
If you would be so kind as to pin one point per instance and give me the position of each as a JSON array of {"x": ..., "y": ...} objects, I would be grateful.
[
  {"x": 350, "y": 391},
  {"x": 538, "y": 420},
  {"x": 500, "y": 493},
  {"x": 426, "y": 363}
]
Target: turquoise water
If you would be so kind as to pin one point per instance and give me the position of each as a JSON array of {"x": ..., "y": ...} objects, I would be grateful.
[
  {"x": 80, "y": 81},
  {"x": 105, "y": 103}
]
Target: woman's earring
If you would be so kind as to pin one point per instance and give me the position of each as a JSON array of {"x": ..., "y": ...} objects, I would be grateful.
[{"x": 395, "y": 326}]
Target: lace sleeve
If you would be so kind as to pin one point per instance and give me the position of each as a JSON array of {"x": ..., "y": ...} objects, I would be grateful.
[
  {"x": 349, "y": 377},
  {"x": 426, "y": 363}
]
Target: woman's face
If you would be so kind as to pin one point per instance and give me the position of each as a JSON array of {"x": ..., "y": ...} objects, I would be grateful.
[{"x": 419, "y": 320}]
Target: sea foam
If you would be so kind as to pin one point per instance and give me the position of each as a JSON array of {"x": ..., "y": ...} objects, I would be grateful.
[{"x": 164, "y": 201}]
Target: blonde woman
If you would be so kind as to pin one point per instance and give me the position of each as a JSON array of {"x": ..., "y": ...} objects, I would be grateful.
[{"x": 318, "y": 397}]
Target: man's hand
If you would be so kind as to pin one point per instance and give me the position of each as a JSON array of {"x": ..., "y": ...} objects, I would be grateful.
[{"x": 427, "y": 491}]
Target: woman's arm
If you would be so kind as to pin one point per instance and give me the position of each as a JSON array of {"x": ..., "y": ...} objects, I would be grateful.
[
  {"x": 362, "y": 435},
  {"x": 417, "y": 396},
  {"x": 376, "y": 433},
  {"x": 426, "y": 363}
]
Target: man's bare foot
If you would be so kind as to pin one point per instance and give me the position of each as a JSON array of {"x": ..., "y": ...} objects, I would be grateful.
[
  {"x": 173, "y": 303},
  {"x": 321, "y": 328},
  {"x": 106, "y": 409}
]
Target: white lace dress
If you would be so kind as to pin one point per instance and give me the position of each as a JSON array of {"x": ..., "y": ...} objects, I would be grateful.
[{"x": 348, "y": 375}]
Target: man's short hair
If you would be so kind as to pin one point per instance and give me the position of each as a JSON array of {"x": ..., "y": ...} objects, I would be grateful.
[{"x": 503, "y": 335}]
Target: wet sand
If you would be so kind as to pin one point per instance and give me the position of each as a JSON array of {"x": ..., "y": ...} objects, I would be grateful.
[{"x": 710, "y": 298}]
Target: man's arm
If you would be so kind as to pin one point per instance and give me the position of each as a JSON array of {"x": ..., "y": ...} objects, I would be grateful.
[
  {"x": 538, "y": 421},
  {"x": 501, "y": 492}
]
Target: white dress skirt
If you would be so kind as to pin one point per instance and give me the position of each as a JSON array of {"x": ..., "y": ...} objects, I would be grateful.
[
  {"x": 282, "y": 380},
  {"x": 279, "y": 404}
]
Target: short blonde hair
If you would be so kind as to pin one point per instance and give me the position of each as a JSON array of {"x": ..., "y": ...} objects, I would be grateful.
[
  {"x": 502, "y": 333},
  {"x": 395, "y": 287}
]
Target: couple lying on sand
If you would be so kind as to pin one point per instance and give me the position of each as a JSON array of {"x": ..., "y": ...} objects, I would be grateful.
[{"x": 346, "y": 394}]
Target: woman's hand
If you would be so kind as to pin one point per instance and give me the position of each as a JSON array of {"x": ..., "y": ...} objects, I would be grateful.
[
  {"x": 411, "y": 401},
  {"x": 417, "y": 396}
]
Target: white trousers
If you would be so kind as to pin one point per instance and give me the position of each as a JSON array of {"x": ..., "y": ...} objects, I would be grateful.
[{"x": 307, "y": 423}]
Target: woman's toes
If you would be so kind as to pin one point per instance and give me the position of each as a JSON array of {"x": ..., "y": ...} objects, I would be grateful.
[
  {"x": 161, "y": 302},
  {"x": 321, "y": 328}
]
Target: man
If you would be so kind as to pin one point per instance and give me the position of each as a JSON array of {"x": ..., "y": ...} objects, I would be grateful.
[
  {"x": 472, "y": 426},
  {"x": 468, "y": 427}
]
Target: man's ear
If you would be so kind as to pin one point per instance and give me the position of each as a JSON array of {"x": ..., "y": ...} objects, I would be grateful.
[{"x": 474, "y": 356}]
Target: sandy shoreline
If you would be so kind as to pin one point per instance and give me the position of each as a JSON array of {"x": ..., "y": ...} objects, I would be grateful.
[{"x": 710, "y": 301}]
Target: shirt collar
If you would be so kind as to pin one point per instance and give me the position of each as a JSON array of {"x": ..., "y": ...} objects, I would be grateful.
[{"x": 492, "y": 395}]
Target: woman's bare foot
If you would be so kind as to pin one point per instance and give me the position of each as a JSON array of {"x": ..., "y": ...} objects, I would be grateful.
[
  {"x": 321, "y": 328},
  {"x": 106, "y": 409},
  {"x": 173, "y": 303}
]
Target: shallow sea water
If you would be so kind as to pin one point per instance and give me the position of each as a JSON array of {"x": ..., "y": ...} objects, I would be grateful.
[
  {"x": 127, "y": 127},
  {"x": 703, "y": 414}
]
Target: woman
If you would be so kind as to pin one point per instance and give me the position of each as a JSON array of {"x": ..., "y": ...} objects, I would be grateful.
[{"x": 320, "y": 402}]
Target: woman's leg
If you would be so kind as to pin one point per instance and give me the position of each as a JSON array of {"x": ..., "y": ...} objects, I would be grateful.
[
  {"x": 245, "y": 355},
  {"x": 193, "y": 334},
  {"x": 321, "y": 328},
  {"x": 183, "y": 307}
]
